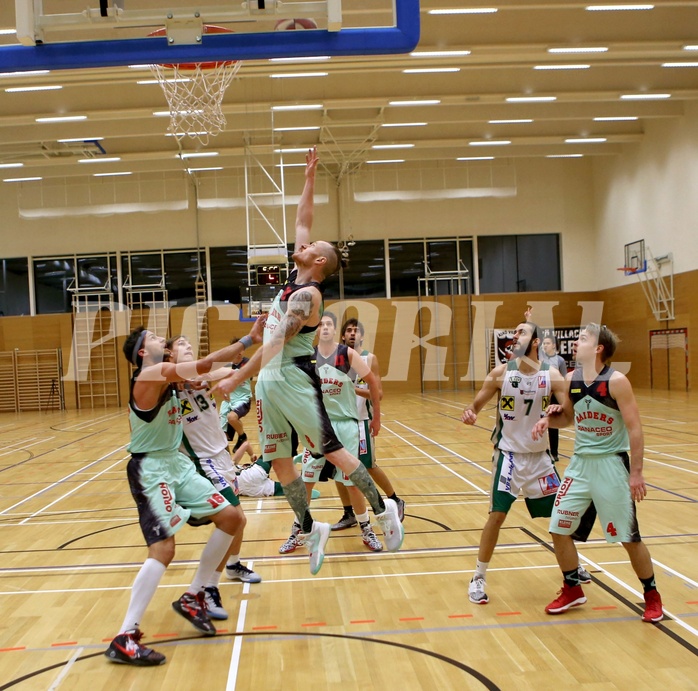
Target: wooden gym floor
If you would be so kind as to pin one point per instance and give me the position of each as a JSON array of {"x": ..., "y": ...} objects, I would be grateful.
[{"x": 71, "y": 547}]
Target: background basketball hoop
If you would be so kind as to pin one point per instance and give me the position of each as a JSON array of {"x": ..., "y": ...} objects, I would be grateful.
[{"x": 194, "y": 92}]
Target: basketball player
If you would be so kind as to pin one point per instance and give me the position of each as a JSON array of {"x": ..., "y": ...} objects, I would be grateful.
[
  {"x": 352, "y": 334},
  {"x": 206, "y": 444},
  {"x": 337, "y": 366},
  {"x": 288, "y": 391},
  {"x": 167, "y": 489},
  {"x": 236, "y": 407},
  {"x": 607, "y": 423},
  {"x": 550, "y": 355},
  {"x": 520, "y": 464}
]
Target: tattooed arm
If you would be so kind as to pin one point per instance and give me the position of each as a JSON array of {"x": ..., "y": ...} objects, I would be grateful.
[{"x": 303, "y": 308}]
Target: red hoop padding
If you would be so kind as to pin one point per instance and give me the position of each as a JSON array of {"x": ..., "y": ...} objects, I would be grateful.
[
  {"x": 628, "y": 269},
  {"x": 208, "y": 29}
]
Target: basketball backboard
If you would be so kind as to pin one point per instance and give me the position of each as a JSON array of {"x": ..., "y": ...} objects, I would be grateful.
[{"x": 64, "y": 35}]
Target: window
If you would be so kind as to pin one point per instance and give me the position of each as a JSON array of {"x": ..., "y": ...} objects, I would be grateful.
[
  {"x": 442, "y": 255},
  {"x": 14, "y": 287},
  {"x": 518, "y": 263},
  {"x": 365, "y": 275},
  {"x": 51, "y": 280},
  {"x": 228, "y": 273},
  {"x": 142, "y": 269},
  {"x": 181, "y": 270},
  {"x": 406, "y": 266}
]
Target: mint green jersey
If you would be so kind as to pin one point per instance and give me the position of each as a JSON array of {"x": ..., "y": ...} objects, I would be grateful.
[
  {"x": 599, "y": 425},
  {"x": 158, "y": 429},
  {"x": 338, "y": 392}
]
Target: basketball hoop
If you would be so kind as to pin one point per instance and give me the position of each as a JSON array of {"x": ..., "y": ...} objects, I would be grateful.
[
  {"x": 629, "y": 270},
  {"x": 194, "y": 92}
]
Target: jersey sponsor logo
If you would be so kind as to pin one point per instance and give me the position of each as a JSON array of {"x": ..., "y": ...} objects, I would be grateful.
[
  {"x": 363, "y": 448},
  {"x": 542, "y": 381},
  {"x": 515, "y": 380},
  {"x": 259, "y": 415},
  {"x": 192, "y": 418},
  {"x": 506, "y": 403},
  {"x": 564, "y": 487},
  {"x": 565, "y": 512},
  {"x": 575, "y": 391},
  {"x": 508, "y": 417},
  {"x": 279, "y": 436},
  {"x": 546, "y": 402},
  {"x": 186, "y": 407},
  {"x": 270, "y": 448},
  {"x": 309, "y": 442},
  {"x": 308, "y": 473},
  {"x": 174, "y": 520},
  {"x": 549, "y": 484},
  {"x": 598, "y": 431},
  {"x": 167, "y": 497},
  {"x": 595, "y": 415},
  {"x": 215, "y": 500},
  {"x": 564, "y": 523}
]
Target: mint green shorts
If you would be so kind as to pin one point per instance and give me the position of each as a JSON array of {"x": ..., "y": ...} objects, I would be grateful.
[
  {"x": 347, "y": 432},
  {"x": 603, "y": 480}
]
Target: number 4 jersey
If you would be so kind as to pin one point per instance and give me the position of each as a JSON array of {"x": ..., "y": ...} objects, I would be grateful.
[{"x": 522, "y": 401}]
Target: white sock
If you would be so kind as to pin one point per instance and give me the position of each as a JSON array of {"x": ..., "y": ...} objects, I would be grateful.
[
  {"x": 233, "y": 559},
  {"x": 214, "y": 552},
  {"x": 362, "y": 518},
  {"x": 481, "y": 568},
  {"x": 215, "y": 579},
  {"x": 142, "y": 591}
]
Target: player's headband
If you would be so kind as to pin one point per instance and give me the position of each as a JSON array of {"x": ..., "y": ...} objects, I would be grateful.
[{"x": 137, "y": 347}]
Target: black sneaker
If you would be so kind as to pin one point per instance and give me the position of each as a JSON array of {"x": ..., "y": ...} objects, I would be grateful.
[
  {"x": 193, "y": 609},
  {"x": 346, "y": 521},
  {"x": 127, "y": 650},
  {"x": 401, "y": 509},
  {"x": 241, "y": 440}
]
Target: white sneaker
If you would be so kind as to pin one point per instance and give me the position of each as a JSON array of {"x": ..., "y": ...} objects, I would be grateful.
[
  {"x": 476, "y": 591},
  {"x": 389, "y": 521},
  {"x": 212, "y": 596},
  {"x": 239, "y": 572},
  {"x": 315, "y": 541}
]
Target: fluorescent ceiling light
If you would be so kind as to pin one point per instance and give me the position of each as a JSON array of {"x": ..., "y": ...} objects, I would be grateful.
[
  {"x": 177, "y": 80},
  {"x": 7, "y": 32},
  {"x": 80, "y": 139},
  {"x": 290, "y": 165},
  {"x": 393, "y": 160},
  {"x": 11, "y": 165},
  {"x": 619, "y": 118},
  {"x": 109, "y": 159},
  {"x": 392, "y": 146},
  {"x": 18, "y": 89},
  {"x": 139, "y": 67},
  {"x": 580, "y": 49},
  {"x": 664, "y": 64},
  {"x": 644, "y": 97},
  {"x": 403, "y": 124},
  {"x": 63, "y": 118},
  {"x": 509, "y": 122},
  {"x": 439, "y": 53},
  {"x": 105, "y": 175},
  {"x": 475, "y": 158},
  {"x": 531, "y": 99},
  {"x": 32, "y": 73},
  {"x": 562, "y": 67},
  {"x": 196, "y": 154},
  {"x": 295, "y": 129},
  {"x": 466, "y": 10},
  {"x": 431, "y": 70},
  {"x": 184, "y": 134},
  {"x": 613, "y": 8},
  {"x": 20, "y": 179},
  {"x": 312, "y": 58},
  {"x": 294, "y": 150},
  {"x": 685, "y": 48},
  {"x": 294, "y": 75},
  {"x": 312, "y": 106},
  {"x": 490, "y": 142},
  {"x": 425, "y": 102},
  {"x": 197, "y": 170},
  {"x": 585, "y": 140},
  {"x": 564, "y": 155}
]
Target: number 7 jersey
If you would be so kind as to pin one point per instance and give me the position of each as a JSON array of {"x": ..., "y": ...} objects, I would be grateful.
[{"x": 522, "y": 400}]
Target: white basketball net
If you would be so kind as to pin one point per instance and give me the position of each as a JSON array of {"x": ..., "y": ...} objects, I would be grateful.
[{"x": 195, "y": 93}]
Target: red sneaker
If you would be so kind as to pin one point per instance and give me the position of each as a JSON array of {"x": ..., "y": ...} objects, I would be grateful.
[
  {"x": 569, "y": 596},
  {"x": 653, "y": 607}
]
